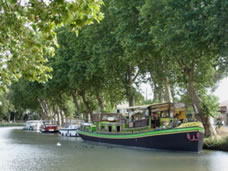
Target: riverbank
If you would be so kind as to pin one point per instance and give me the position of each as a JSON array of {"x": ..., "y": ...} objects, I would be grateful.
[
  {"x": 11, "y": 124},
  {"x": 219, "y": 142}
]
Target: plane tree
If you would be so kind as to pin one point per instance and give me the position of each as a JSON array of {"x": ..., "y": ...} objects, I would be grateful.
[
  {"x": 190, "y": 35},
  {"x": 27, "y": 33},
  {"x": 6, "y": 107},
  {"x": 119, "y": 55}
]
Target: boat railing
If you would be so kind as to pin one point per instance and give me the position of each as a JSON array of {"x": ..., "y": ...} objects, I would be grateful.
[
  {"x": 141, "y": 129},
  {"x": 132, "y": 131},
  {"x": 137, "y": 129},
  {"x": 129, "y": 131}
]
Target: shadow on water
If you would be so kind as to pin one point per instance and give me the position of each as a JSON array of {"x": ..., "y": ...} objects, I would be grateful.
[{"x": 25, "y": 150}]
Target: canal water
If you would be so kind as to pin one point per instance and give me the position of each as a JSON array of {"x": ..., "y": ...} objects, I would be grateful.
[{"x": 31, "y": 151}]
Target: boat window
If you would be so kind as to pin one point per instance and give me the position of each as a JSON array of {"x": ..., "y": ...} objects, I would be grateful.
[
  {"x": 102, "y": 127},
  {"x": 118, "y": 128},
  {"x": 110, "y": 128}
]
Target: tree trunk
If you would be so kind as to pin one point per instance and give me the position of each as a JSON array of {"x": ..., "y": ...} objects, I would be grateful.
[
  {"x": 62, "y": 117},
  {"x": 56, "y": 111},
  {"x": 209, "y": 128},
  {"x": 155, "y": 93},
  {"x": 130, "y": 78},
  {"x": 154, "y": 88},
  {"x": 131, "y": 100},
  {"x": 161, "y": 94},
  {"x": 58, "y": 117},
  {"x": 129, "y": 95},
  {"x": 168, "y": 95},
  {"x": 100, "y": 102},
  {"x": 158, "y": 89},
  {"x": 9, "y": 117},
  {"x": 76, "y": 101},
  {"x": 158, "y": 93},
  {"x": 44, "y": 107},
  {"x": 88, "y": 108},
  {"x": 42, "y": 115}
]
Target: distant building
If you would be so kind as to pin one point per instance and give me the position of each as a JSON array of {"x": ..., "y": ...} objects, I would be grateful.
[
  {"x": 122, "y": 108},
  {"x": 222, "y": 116}
]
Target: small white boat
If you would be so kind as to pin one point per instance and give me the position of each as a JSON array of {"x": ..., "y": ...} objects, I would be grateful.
[
  {"x": 33, "y": 125},
  {"x": 69, "y": 130}
]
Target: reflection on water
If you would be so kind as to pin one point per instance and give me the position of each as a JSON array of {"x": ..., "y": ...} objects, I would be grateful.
[{"x": 27, "y": 151}]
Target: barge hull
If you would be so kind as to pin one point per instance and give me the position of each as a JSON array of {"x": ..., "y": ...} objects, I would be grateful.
[{"x": 175, "y": 142}]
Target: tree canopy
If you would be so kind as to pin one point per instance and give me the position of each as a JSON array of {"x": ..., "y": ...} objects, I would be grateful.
[
  {"x": 179, "y": 45},
  {"x": 27, "y": 33}
]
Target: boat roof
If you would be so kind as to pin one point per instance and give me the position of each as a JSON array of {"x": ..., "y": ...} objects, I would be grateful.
[
  {"x": 145, "y": 106},
  {"x": 87, "y": 124},
  {"x": 33, "y": 121}
]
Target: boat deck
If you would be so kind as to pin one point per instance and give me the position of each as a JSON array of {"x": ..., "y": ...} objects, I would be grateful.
[{"x": 147, "y": 131}]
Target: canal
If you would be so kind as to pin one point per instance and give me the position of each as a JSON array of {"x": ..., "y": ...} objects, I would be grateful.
[{"x": 31, "y": 151}]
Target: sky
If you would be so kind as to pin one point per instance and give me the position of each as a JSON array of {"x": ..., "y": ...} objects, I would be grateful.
[{"x": 221, "y": 91}]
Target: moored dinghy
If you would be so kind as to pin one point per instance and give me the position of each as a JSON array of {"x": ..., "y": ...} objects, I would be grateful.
[
  {"x": 49, "y": 127},
  {"x": 158, "y": 126},
  {"x": 69, "y": 130},
  {"x": 33, "y": 125}
]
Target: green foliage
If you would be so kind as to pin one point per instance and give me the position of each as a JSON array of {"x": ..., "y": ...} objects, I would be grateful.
[
  {"x": 184, "y": 41},
  {"x": 6, "y": 107},
  {"x": 33, "y": 96},
  {"x": 121, "y": 58},
  {"x": 28, "y": 34},
  {"x": 186, "y": 36},
  {"x": 24, "y": 95},
  {"x": 66, "y": 104},
  {"x": 139, "y": 99},
  {"x": 213, "y": 143},
  {"x": 210, "y": 105}
]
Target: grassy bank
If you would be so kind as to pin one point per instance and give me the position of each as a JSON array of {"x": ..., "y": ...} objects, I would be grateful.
[
  {"x": 216, "y": 143},
  {"x": 11, "y": 124}
]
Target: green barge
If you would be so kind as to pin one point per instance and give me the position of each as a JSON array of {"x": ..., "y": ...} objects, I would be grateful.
[{"x": 151, "y": 126}]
